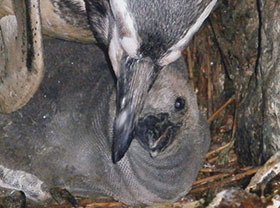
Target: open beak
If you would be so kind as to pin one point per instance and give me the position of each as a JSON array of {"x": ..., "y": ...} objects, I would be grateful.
[{"x": 135, "y": 79}]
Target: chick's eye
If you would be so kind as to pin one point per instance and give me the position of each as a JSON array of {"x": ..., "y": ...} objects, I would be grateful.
[{"x": 179, "y": 104}]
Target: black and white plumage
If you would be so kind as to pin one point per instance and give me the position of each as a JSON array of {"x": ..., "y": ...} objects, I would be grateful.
[
  {"x": 141, "y": 38},
  {"x": 69, "y": 145}
]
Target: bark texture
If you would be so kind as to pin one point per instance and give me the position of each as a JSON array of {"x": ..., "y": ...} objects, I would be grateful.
[
  {"x": 258, "y": 130},
  {"x": 247, "y": 35},
  {"x": 237, "y": 53}
]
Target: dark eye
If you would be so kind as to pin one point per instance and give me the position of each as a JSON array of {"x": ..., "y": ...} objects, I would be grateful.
[{"x": 179, "y": 103}]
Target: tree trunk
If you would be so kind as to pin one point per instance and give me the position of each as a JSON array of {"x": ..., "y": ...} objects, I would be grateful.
[
  {"x": 247, "y": 36},
  {"x": 259, "y": 127}
]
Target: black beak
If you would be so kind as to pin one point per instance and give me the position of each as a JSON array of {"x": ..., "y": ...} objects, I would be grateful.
[
  {"x": 155, "y": 132},
  {"x": 135, "y": 79}
]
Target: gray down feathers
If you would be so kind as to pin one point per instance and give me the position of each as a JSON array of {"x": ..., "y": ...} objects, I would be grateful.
[{"x": 63, "y": 136}]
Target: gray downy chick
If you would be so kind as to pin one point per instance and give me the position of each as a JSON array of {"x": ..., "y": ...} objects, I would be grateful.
[{"x": 63, "y": 136}]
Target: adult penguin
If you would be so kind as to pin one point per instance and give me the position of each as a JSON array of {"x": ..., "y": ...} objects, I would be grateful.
[{"x": 141, "y": 38}]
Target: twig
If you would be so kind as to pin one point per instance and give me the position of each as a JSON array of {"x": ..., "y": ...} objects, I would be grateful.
[
  {"x": 217, "y": 170},
  {"x": 190, "y": 65},
  {"x": 225, "y": 180},
  {"x": 234, "y": 125},
  {"x": 215, "y": 151},
  {"x": 91, "y": 204},
  {"x": 210, "y": 179},
  {"x": 209, "y": 85},
  {"x": 220, "y": 109},
  {"x": 104, "y": 204}
]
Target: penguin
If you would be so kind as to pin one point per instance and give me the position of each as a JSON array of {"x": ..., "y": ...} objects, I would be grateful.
[
  {"x": 141, "y": 38},
  {"x": 61, "y": 19},
  {"x": 23, "y": 26},
  {"x": 63, "y": 137}
]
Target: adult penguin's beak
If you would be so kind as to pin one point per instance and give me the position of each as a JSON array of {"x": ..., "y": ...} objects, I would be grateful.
[{"x": 135, "y": 79}]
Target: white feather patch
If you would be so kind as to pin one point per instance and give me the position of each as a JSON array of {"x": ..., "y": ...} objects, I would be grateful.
[
  {"x": 23, "y": 181},
  {"x": 176, "y": 49},
  {"x": 126, "y": 26},
  {"x": 121, "y": 119},
  {"x": 170, "y": 57},
  {"x": 115, "y": 52}
]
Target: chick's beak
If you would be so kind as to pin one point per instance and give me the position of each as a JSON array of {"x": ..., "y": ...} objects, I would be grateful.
[{"x": 134, "y": 81}]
